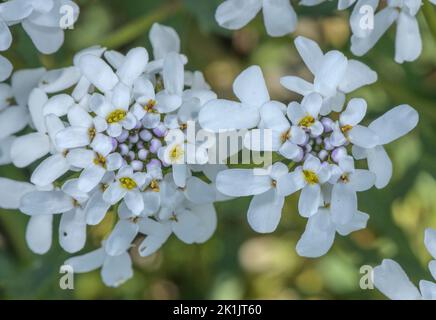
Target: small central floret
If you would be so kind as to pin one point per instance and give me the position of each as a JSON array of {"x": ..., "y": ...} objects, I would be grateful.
[
  {"x": 310, "y": 177},
  {"x": 307, "y": 121},
  {"x": 116, "y": 116},
  {"x": 128, "y": 183}
]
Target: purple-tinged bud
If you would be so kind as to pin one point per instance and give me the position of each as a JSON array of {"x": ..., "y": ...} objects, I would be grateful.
[
  {"x": 308, "y": 148},
  {"x": 140, "y": 145},
  {"x": 299, "y": 157},
  {"x": 327, "y": 145},
  {"x": 160, "y": 131},
  {"x": 145, "y": 135},
  {"x": 327, "y": 123},
  {"x": 131, "y": 155},
  {"x": 318, "y": 141},
  {"x": 322, "y": 155},
  {"x": 154, "y": 163},
  {"x": 138, "y": 125},
  {"x": 124, "y": 149},
  {"x": 137, "y": 165},
  {"x": 114, "y": 144},
  {"x": 134, "y": 138},
  {"x": 123, "y": 136},
  {"x": 338, "y": 154},
  {"x": 142, "y": 154},
  {"x": 306, "y": 140},
  {"x": 155, "y": 144}
]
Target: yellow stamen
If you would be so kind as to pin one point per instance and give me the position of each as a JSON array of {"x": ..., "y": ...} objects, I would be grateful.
[
  {"x": 154, "y": 185},
  {"x": 176, "y": 153},
  {"x": 307, "y": 121},
  {"x": 285, "y": 136},
  {"x": 116, "y": 116},
  {"x": 100, "y": 160},
  {"x": 346, "y": 128},
  {"x": 91, "y": 133},
  {"x": 310, "y": 177},
  {"x": 128, "y": 183},
  {"x": 274, "y": 183},
  {"x": 344, "y": 178},
  {"x": 149, "y": 106}
]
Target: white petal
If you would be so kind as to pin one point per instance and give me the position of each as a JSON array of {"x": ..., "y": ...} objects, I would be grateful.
[
  {"x": 356, "y": 76},
  {"x": 151, "y": 202},
  {"x": 37, "y": 100},
  {"x": 309, "y": 201},
  {"x": 134, "y": 201},
  {"x": 357, "y": 222},
  {"x": 250, "y": 87},
  {"x": 72, "y": 137},
  {"x": 265, "y": 211},
  {"x": 234, "y": 14},
  {"x": 363, "y": 137},
  {"x": 428, "y": 290},
  {"x": 330, "y": 73},
  {"x": 47, "y": 40},
  {"x": 87, "y": 262},
  {"x": 297, "y": 84},
  {"x": 207, "y": 222},
  {"x": 58, "y": 105},
  {"x": 219, "y": 115},
  {"x": 98, "y": 72},
  {"x": 156, "y": 235},
  {"x": 13, "y": 120},
  {"x": 312, "y": 104},
  {"x": 133, "y": 66},
  {"x": 393, "y": 282},
  {"x": 78, "y": 117},
  {"x": 121, "y": 237},
  {"x": 382, "y": 21},
  {"x": 23, "y": 82},
  {"x": 343, "y": 203},
  {"x": 354, "y": 113},
  {"x": 395, "y": 123},
  {"x": 114, "y": 193},
  {"x": 96, "y": 209},
  {"x": 290, "y": 183},
  {"x": 430, "y": 241},
  {"x": 5, "y": 36},
  {"x": 180, "y": 173},
  {"x": 242, "y": 182},
  {"x": 381, "y": 165},
  {"x": 39, "y": 233},
  {"x": 117, "y": 270},
  {"x": 310, "y": 52},
  {"x": 28, "y": 148},
  {"x": 72, "y": 231},
  {"x": 199, "y": 192},
  {"x": 318, "y": 237},
  {"x": 12, "y": 191},
  {"x": 173, "y": 74},
  {"x": 408, "y": 43},
  {"x": 49, "y": 170},
  {"x": 361, "y": 180},
  {"x": 163, "y": 40},
  {"x": 80, "y": 158},
  {"x": 90, "y": 178},
  {"x": 5, "y": 68},
  {"x": 279, "y": 17}
]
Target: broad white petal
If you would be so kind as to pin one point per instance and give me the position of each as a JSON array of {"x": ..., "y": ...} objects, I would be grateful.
[
  {"x": 361, "y": 180},
  {"x": 121, "y": 237},
  {"x": 116, "y": 270},
  {"x": 234, "y": 14},
  {"x": 279, "y": 17},
  {"x": 28, "y": 148},
  {"x": 133, "y": 66},
  {"x": 310, "y": 52},
  {"x": 98, "y": 72},
  {"x": 12, "y": 192},
  {"x": 265, "y": 211},
  {"x": 250, "y": 87},
  {"x": 39, "y": 233},
  {"x": 428, "y": 290},
  {"x": 87, "y": 262},
  {"x": 242, "y": 182},
  {"x": 408, "y": 43},
  {"x": 430, "y": 241},
  {"x": 72, "y": 231},
  {"x": 163, "y": 40},
  {"x": 50, "y": 169},
  {"x": 354, "y": 113},
  {"x": 13, "y": 120},
  {"x": 356, "y": 76},
  {"x": 96, "y": 209},
  {"x": 296, "y": 84},
  {"x": 357, "y": 222},
  {"x": 363, "y": 137},
  {"x": 330, "y": 73},
  {"x": 393, "y": 282},
  {"x": 309, "y": 201},
  {"x": 381, "y": 165},
  {"x": 343, "y": 203}
]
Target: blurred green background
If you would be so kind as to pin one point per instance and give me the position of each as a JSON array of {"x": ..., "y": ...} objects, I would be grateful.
[{"x": 237, "y": 262}]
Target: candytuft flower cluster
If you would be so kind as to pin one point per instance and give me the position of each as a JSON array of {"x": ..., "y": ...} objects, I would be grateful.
[{"x": 319, "y": 141}]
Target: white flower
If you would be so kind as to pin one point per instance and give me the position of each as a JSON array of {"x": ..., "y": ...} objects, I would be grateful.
[
  {"x": 307, "y": 178},
  {"x": 320, "y": 232},
  {"x": 286, "y": 138},
  {"x": 348, "y": 128},
  {"x": 408, "y": 43},
  {"x": 266, "y": 206},
  {"x": 389, "y": 127},
  {"x": 126, "y": 186},
  {"x": 115, "y": 270},
  {"x": 346, "y": 182},
  {"x": 251, "y": 90},
  {"x": 279, "y": 16},
  {"x": 394, "y": 283},
  {"x": 334, "y": 75}
]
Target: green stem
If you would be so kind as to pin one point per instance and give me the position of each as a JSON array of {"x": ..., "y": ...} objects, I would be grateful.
[
  {"x": 137, "y": 27},
  {"x": 430, "y": 17}
]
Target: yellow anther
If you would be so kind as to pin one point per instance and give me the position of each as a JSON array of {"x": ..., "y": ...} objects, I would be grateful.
[
  {"x": 116, "y": 116},
  {"x": 100, "y": 160},
  {"x": 128, "y": 183},
  {"x": 176, "y": 153},
  {"x": 154, "y": 185},
  {"x": 285, "y": 136},
  {"x": 344, "y": 178},
  {"x": 346, "y": 128},
  {"x": 91, "y": 133},
  {"x": 307, "y": 121},
  {"x": 149, "y": 106},
  {"x": 310, "y": 177}
]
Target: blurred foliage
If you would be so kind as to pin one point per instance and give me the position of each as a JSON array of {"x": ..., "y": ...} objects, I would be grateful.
[{"x": 237, "y": 262}]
